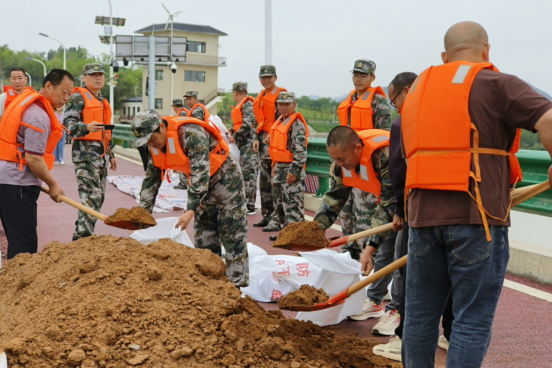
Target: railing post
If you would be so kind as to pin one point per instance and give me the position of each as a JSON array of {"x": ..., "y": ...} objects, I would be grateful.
[{"x": 323, "y": 186}]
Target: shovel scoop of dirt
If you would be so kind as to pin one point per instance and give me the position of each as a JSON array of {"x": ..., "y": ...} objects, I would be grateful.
[
  {"x": 306, "y": 233},
  {"x": 137, "y": 217},
  {"x": 306, "y": 295}
]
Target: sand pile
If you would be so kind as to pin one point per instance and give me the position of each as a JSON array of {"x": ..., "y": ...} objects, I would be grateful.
[
  {"x": 137, "y": 215},
  {"x": 301, "y": 233},
  {"x": 306, "y": 295},
  {"x": 111, "y": 302}
]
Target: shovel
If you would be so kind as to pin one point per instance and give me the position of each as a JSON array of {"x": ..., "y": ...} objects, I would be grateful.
[
  {"x": 126, "y": 224},
  {"x": 519, "y": 197}
]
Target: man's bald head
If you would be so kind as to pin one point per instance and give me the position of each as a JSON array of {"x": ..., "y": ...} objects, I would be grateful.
[{"x": 466, "y": 41}]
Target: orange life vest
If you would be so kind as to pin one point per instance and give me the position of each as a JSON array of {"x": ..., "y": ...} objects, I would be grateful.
[
  {"x": 237, "y": 116},
  {"x": 12, "y": 95},
  {"x": 94, "y": 110},
  {"x": 175, "y": 158},
  {"x": 182, "y": 112},
  {"x": 264, "y": 108},
  {"x": 279, "y": 138},
  {"x": 200, "y": 106},
  {"x": 11, "y": 121},
  {"x": 437, "y": 132},
  {"x": 361, "y": 110},
  {"x": 367, "y": 181}
]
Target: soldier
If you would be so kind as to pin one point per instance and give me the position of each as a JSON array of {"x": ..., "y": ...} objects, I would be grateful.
[
  {"x": 362, "y": 173},
  {"x": 245, "y": 126},
  {"x": 196, "y": 109},
  {"x": 216, "y": 196},
  {"x": 288, "y": 151},
  {"x": 85, "y": 116},
  {"x": 366, "y": 107},
  {"x": 178, "y": 107},
  {"x": 266, "y": 112}
]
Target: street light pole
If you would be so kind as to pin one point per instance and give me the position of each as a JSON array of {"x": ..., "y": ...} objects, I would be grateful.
[
  {"x": 268, "y": 32},
  {"x": 111, "y": 60},
  {"x": 30, "y": 58},
  {"x": 64, "y": 51},
  {"x": 30, "y": 79}
]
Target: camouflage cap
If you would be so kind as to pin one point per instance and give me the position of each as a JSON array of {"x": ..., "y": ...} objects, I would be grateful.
[
  {"x": 239, "y": 87},
  {"x": 178, "y": 102},
  {"x": 143, "y": 125},
  {"x": 286, "y": 97},
  {"x": 93, "y": 68},
  {"x": 364, "y": 66},
  {"x": 191, "y": 94},
  {"x": 267, "y": 71}
]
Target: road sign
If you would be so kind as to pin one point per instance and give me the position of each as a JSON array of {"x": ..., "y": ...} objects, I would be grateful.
[{"x": 136, "y": 49}]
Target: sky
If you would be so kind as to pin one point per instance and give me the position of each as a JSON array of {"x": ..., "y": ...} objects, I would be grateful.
[{"x": 315, "y": 42}]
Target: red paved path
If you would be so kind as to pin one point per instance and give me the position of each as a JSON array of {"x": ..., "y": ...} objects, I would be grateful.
[{"x": 522, "y": 329}]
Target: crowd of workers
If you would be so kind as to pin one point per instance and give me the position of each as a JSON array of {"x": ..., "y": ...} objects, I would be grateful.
[{"x": 441, "y": 173}]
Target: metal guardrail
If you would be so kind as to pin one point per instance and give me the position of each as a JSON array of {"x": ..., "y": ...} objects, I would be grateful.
[{"x": 534, "y": 165}]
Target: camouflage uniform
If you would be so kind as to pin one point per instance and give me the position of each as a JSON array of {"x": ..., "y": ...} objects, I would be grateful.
[
  {"x": 197, "y": 113},
  {"x": 218, "y": 201},
  {"x": 366, "y": 213},
  {"x": 90, "y": 159},
  {"x": 381, "y": 120},
  {"x": 265, "y": 183},
  {"x": 289, "y": 199},
  {"x": 179, "y": 102},
  {"x": 249, "y": 159}
]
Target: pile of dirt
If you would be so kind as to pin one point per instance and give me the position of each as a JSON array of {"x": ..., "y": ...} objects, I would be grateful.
[
  {"x": 112, "y": 302},
  {"x": 137, "y": 215},
  {"x": 301, "y": 233},
  {"x": 306, "y": 295}
]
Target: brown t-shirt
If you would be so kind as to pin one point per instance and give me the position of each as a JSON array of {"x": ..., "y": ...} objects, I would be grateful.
[{"x": 499, "y": 104}]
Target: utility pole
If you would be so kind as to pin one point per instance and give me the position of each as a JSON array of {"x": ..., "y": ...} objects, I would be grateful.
[
  {"x": 111, "y": 60},
  {"x": 268, "y": 32}
]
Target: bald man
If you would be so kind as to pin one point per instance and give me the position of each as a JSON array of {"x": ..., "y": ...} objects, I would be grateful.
[{"x": 459, "y": 196}]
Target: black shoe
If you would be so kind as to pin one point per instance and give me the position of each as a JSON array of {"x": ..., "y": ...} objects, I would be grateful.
[
  {"x": 271, "y": 229},
  {"x": 251, "y": 212},
  {"x": 273, "y": 237},
  {"x": 261, "y": 223}
]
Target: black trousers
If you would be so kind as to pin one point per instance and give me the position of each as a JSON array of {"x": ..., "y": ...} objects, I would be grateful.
[
  {"x": 448, "y": 317},
  {"x": 18, "y": 211}
]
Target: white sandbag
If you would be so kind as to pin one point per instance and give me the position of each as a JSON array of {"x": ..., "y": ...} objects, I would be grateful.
[
  {"x": 3, "y": 360},
  {"x": 235, "y": 150},
  {"x": 164, "y": 230},
  {"x": 274, "y": 276}
]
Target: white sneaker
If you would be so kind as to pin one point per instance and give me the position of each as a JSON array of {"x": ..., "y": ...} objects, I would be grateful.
[
  {"x": 443, "y": 342},
  {"x": 387, "y": 324},
  {"x": 370, "y": 310},
  {"x": 391, "y": 350},
  {"x": 387, "y": 297},
  {"x": 62, "y": 162}
]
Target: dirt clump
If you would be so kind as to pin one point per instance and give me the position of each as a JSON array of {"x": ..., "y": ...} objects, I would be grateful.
[
  {"x": 306, "y": 295},
  {"x": 301, "y": 233},
  {"x": 137, "y": 215},
  {"x": 165, "y": 313}
]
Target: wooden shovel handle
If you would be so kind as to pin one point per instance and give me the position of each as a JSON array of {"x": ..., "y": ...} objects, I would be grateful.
[
  {"x": 377, "y": 275},
  {"x": 530, "y": 193},
  {"x": 78, "y": 206},
  {"x": 361, "y": 235}
]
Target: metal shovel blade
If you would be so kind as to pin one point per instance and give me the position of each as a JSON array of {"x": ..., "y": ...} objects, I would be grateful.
[
  {"x": 128, "y": 225},
  {"x": 312, "y": 308}
]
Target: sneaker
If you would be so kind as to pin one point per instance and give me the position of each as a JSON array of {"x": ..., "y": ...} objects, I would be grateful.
[
  {"x": 391, "y": 350},
  {"x": 62, "y": 162},
  {"x": 387, "y": 297},
  {"x": 370, "y": 310},
  {"x": 251, "y": 212},
  {"x": 443, "y": 342},
  {"x": 387, "y": 324}
]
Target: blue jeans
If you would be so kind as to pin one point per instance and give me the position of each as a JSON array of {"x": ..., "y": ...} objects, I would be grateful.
[
  {"x": 58, "y": 151},
  {"x": 458, "y": 260}
]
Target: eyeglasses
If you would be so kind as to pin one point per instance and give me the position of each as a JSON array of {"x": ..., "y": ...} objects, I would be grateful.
[{"x": 392, "y": 103}]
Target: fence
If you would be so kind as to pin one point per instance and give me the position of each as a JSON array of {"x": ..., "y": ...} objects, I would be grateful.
[{"x": 534, "y": 164}]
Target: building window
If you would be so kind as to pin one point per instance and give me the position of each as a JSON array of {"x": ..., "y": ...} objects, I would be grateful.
[
  {"x": 138, "y": 109},
  {"x": 124, "y": 110},
  {"x": 158, "y": 75},
  {"x": 158, "y": 103},
  {"x": 193, "y": 76},
  {"x": 194, "y": 46}
]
